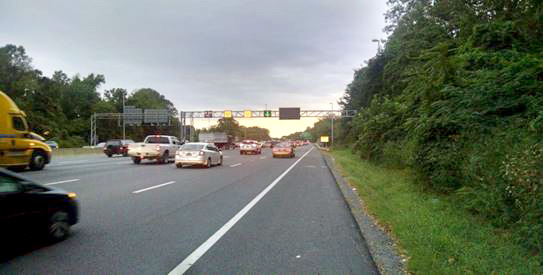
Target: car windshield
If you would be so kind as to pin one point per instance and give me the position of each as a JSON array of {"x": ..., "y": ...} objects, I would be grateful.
[
  {"x": 157, "y": 140},
  {"x": 192, "y": 147},
  {"x": 113, "y": 142}
]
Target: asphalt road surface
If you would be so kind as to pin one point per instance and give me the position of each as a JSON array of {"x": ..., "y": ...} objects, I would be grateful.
[{"x": 254, "y": 214}]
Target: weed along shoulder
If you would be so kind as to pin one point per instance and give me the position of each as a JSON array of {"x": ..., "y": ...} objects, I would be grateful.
[{"x": 19, "y": 147}]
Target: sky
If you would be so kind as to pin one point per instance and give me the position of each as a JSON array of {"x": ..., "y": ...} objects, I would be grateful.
[{"x": 206, "y": 54}]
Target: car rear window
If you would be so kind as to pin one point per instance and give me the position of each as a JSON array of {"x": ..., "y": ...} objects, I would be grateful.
[
  {"x": 113, "y": 142},
  {"x": 192, "y": 147},
  {"x": 161, "y": 140}
]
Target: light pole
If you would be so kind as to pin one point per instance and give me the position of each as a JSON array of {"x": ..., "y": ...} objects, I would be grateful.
[
  {"x": 378, "y": 44},
  {"x": 124, "y": 128},
  {"x": 332, "y": 119}
]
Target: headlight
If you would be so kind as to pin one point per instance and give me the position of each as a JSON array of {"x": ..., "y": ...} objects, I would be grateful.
[{"x": 72, "y": 195}]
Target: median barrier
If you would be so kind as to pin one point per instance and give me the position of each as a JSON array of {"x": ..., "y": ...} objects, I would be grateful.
[{"x": 76, "y": 151}]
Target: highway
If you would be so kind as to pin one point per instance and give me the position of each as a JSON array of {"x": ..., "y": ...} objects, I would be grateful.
[{"x": 254, "y": 214}]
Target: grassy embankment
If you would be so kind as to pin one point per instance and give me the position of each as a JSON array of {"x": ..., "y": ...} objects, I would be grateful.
[{"x": 438, "y": 236}]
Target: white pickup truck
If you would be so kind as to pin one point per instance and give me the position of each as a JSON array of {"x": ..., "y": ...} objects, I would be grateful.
[{"x": 156, "y": 147}]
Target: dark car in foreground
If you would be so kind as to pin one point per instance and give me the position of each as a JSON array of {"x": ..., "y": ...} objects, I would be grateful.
[
  {"x": 117, "y": 147},
  {"x": 29, "y": 209}
]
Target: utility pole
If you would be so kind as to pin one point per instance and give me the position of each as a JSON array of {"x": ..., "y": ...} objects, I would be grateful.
[
  {"x": 124, "y": 125},
  {"x": 332, "y": 119}
]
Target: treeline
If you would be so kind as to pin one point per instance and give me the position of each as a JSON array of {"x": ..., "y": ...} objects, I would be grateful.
[
  {"x": 456, "y": 94},
  {"x": 60, "y": 107},
  {"x": 231, "y": 127}
]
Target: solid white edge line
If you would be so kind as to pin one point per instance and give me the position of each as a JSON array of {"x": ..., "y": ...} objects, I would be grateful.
[
  {"x": 62, "y": 181},
  {"x": 204, "y": 247},
  {"x": 234, "y": 165},
  {"x": 153, "y": 187}
]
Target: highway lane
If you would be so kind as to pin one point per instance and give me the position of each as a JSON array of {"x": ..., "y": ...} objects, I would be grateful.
[{"x": 302, "y": 225}]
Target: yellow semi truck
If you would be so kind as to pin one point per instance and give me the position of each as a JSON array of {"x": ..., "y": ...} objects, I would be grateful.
[{"x": 19, "y": 147}]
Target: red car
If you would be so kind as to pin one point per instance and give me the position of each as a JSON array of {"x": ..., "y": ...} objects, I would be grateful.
[
  {"x": 283, "y": 150},
  {"x": 117, "y": 147}
]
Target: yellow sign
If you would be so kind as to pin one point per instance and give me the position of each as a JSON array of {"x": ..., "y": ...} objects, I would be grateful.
[
  {"x": 228, "y": 114},
  {"x": 325, "y": 139},
  {"x": 247, "y": 114}
]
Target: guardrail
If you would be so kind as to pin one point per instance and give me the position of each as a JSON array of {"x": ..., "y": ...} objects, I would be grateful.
[{"x": 76, "y": 151}]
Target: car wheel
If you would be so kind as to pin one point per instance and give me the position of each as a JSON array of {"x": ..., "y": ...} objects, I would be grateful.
[
  {"x": 37, "y": 162},
  {"x": 109, "y": 155},
  {"x": 208, "y": 163},
  {"x": 58, "y": 227},
  {"x": 220, "y": 161},
  {"x": 179, "y": 165},
  {"x": 136, "y": 160},
  {"x": 241, "y": 152}
]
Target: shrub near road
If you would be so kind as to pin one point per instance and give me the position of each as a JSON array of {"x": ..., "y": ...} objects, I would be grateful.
[
  {"x": 438, "y": 236},
  {"x": 457, "y": 96}
]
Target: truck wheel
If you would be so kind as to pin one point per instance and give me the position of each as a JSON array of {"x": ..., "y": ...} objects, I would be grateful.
[
  {"x": 241, "y": 152},
  {"x": 179, "y": 165},
  {"x": 136, "y": 160},
  {"x": 109, "y": 155},
  {"x": 37, "y": 162},
  {"x": 164, "y": 158}
]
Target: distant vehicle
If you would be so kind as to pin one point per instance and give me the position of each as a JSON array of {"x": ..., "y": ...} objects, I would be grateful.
[
  {"x": 198, "y": 153},
  {"x": 220, "y": 139},
  {"x": 283, "y": 150},
  {"x": 250, "y": 146},
  {"x": 267, "y": 144},
  {"x": 53, "y": 144},
  {"x": 19, "y": 147},
  {"x": 29, "y": 208},
  {"x": 117, "y": 147},
  {"x": 155, "y": 147}
]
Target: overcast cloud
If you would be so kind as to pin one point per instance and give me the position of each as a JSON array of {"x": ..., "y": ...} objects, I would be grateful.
[{"x": 204, "y": 54}]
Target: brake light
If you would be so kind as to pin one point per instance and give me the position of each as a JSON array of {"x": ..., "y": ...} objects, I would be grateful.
[
  {"x": 201, "y": 153},
  {"x": 157, "y": 147}
]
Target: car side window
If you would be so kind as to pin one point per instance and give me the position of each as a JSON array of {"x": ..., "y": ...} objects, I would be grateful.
[
  {"x": 18, "y": 123},
  {"x": 9, "y": 185}
]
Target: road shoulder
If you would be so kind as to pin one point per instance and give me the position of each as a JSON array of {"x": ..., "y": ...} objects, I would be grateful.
[{"x": 381, "y": 246}]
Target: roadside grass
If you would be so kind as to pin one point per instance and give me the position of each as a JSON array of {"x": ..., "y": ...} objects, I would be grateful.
[{"x": 438, "y": 236}]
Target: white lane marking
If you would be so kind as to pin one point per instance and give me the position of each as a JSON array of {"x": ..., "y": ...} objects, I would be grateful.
[
  {"x": 310, "y": 166},
  {"x": 226, "y": 157},
  {"x": 263, "y": 157},
  {"x": 62, "y": 181},
  {"x": 153, "y": 187},
  {"x": 203, "y": 248},
  {"x": 234, "y": 165}
]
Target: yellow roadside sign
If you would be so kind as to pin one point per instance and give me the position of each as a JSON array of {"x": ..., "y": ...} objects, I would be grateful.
[
  {"x": 247, "y": 114},
  {"x": 325, "y": 139},
  {"x": 228, "y": 114}
]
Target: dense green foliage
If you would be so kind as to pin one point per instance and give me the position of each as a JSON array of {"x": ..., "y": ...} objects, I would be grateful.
[
  {"x": 60, "y": 107},
  {"x": 457, "y": 95},
  {"x": 231, "y": 127}
]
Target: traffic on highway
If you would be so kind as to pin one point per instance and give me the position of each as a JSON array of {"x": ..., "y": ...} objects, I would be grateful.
[{"x": 223, "y": 220}]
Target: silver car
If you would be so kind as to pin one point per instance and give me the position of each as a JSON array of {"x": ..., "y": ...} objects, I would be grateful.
[{"x": 198, "y": 153}]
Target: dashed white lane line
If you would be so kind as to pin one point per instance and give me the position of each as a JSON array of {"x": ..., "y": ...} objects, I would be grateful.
[
  {"x": 263, "y": 157},
  {"x": 62, "y": 181},
  {"x": 153, "y": 187},
  {"x": 234, "y": 165},
  {"x": 310, "y": 166},
  {"x": 226, "y": 157},
  {"x": 203, "y": 248}
]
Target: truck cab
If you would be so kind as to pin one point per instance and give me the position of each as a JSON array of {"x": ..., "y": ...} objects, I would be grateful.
[{"x": 18, "y": 146}]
